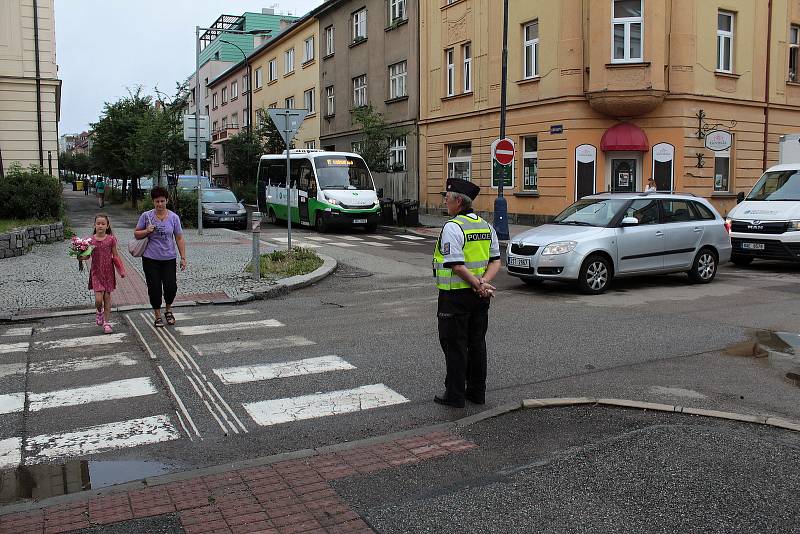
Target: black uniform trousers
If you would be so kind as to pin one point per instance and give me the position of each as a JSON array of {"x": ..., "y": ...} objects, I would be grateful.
[{"x": 463, "y": 340}]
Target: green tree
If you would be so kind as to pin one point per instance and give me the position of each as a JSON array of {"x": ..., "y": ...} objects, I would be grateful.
[{"x": 377, "y": 136}]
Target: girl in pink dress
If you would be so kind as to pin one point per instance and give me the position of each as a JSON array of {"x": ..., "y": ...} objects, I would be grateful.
[{"x": 101, "y": 275}]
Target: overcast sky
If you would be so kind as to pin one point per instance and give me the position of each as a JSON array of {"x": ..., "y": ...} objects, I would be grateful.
[{"x": 104, "y": 47}]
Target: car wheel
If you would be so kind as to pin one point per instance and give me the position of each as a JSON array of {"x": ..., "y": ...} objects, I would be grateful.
[
  {"x": 741, "y": 261},
  {"x": 595, "y": 275},
  {"x": 320, "y": 224},
  {"x": 704, "y": 267},
  {"x": 273, "y": 219},
  {"x": 532, "y": 281}
]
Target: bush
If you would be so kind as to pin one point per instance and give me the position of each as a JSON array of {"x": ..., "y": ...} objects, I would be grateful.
[
  {"x": 246, "y": 193},
  {"x": 186, "y": 208},
  {"x": 30, "y": 194},
  {"x": 281, "y": 264}
]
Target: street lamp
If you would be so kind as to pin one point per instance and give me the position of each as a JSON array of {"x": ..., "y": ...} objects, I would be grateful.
[{"x": 197, "y": 108}]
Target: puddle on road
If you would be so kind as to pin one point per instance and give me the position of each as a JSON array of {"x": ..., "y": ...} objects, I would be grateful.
[
  {"x": 42, "y": 481},
  {"x": 773, "y": 350}
]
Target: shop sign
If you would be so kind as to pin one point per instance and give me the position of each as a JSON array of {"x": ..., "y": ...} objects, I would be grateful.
[
  {"x": 556, "y": 129},
  {"x": 585, "y": 154},
  {"x": 718, "y": 140},
  {"x": 663, "y": 152}
]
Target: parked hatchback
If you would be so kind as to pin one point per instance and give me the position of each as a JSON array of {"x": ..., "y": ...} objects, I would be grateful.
[
  {"x": 605, "y": 236},
  {"x": 220, "y": 206}
]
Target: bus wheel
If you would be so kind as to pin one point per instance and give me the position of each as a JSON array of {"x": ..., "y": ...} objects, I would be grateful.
[
  {"x": 370, "y": 228},
  {"x": 320, "y": 225},
  {"x": 273, "y": 219}
]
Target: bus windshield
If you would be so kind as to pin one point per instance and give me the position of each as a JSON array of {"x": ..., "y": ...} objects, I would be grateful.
[
  {"x": 777, "y": 185},
  {"x": 342, "y": 172}
]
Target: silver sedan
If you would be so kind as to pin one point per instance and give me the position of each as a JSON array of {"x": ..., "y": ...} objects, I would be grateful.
[{"x": 610, "y": 235}]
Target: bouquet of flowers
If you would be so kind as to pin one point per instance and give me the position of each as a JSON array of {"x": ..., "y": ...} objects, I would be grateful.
[{"x": 81, "y": 249}]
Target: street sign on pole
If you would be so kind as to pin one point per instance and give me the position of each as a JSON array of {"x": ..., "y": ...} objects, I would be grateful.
[
  {"x": 288, "y": 121},
  {"x": 503, "y": 151},
  {"x": 193, "y": 150},
  {"x": 189, "y": 128}
]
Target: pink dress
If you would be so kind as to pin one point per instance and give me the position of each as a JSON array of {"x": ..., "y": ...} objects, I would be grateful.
[{"x": 101, "y": 275}]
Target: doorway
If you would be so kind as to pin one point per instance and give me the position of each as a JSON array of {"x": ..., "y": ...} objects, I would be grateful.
[{"x": 623, "y": 171}]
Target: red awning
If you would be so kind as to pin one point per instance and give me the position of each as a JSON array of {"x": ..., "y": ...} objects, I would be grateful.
[{"x": 624, "y": 136}]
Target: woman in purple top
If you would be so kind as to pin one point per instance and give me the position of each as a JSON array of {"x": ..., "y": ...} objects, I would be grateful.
[{"x": 163, "y": 229}]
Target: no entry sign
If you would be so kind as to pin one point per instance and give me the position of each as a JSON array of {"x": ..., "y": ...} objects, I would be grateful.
[{"x": 503, "y": 151}]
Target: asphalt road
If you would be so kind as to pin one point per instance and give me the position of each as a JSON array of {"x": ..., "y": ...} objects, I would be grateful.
[{"x": 219, "y": 387}]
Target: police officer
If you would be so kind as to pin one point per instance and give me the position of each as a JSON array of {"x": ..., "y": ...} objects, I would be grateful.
[{"x": 465, "y": 260}]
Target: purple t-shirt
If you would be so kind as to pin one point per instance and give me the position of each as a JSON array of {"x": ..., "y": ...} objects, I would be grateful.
[{"x": 161, "y": 244}]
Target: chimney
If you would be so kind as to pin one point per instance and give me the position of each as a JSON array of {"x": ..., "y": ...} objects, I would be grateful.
[{"x": 267, "y": 11}]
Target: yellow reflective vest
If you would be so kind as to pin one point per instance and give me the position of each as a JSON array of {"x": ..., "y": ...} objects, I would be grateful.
[{"x": 477, "y": 240}]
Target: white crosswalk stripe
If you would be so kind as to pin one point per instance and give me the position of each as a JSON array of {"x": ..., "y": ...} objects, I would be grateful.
[
  {"x": 72, "y": 342},
  {"x": 70, "y": 326},
  {"x": 234, "y": 312},
  {"x": 17, "y": 332},
  {"x": 273, "y": 412},
  {"x": 410, "y": 237},
  {"x": 376, "y": 244},
  {"x": 231, "y": 347},
  {"x": 10, "y": 452},
  {"x": 350, "y": 238},
  {"x": 70, "y": 365},
  {"x": 226, "y": 327},
  {"x": 308, "y": 366},
  {"x": 8, "y": 348}
]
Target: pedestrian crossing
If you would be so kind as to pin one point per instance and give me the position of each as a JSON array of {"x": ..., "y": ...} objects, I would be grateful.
[{"x": 345, "y": 241}]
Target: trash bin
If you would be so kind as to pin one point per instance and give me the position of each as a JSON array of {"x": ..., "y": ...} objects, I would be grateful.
[
  {"x": 407, "y": 212},
  {"x": 79, "y": 185},
  {"x": 387, "y": 214},
  {"x": 401, "y": 212}
]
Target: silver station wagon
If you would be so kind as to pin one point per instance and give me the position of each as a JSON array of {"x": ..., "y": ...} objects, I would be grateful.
[{"x": 610, "y": 235}]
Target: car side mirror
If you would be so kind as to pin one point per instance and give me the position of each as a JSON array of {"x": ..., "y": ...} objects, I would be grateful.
[
  {"x": 739, "y": 197},
  {"x": 629, "y": 221}
]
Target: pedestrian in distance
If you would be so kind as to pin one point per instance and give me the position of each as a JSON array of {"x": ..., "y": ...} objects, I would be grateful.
[
  {"x": 466, "y": 259},
  {"x": 651, "y": 185},
  {"x": 164, "y": 232},
  {"x": 102, "y": 279},
  {"x": 100, "y": 190}
]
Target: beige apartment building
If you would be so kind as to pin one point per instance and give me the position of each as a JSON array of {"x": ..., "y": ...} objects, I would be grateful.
[
  {"x": 30, "y": 91},
  {"x": 286, "y": 75},
  {"x": 603, "y": 94}
]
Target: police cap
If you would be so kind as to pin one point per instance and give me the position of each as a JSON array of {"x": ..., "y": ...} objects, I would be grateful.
[{"x": 457, "y": 185}]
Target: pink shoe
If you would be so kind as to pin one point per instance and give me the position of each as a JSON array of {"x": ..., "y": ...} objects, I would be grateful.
[
  {"x": 107, "y": 328},
  {"x": 98, "y": 318}
]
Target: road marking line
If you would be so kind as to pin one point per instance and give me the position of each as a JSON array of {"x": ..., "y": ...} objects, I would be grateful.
[
  {"x": 411, "y": 237},
  {"x": 103, "y": 339},
  {"x": 376, "y": 244},
  {"x": 70, "y": 365},
  {"x": 317, "y": 238},
  {"x": 230, "y": 347},
  {"x": 343, "y": 245},
  {"x": 70, "y": 326},
  {"x": 119, "y": 389},
  {"x": 7, "y": 348},
  {"x": 18, "y": 332},
  {"x": 307, "y": 245},
  {"x": 12, "y": 403},
  {"x": 183, "y": 316},
  {"x": 273, "y": 412},
  {"x": 10, "y": 452},
  {"x": 350, "y": 238},
  {"x": 101, "y": 438},
  {"x": 226, "y": 327},
  {"x": 255, "y": 373},
  {"x": 381, "y": 238}
]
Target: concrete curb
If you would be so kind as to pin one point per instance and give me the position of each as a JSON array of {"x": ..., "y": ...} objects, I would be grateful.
[{"x": 284, "y": 285}]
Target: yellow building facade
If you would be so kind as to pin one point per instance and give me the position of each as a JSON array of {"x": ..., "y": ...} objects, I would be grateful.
[
  {"x": 603, "y": 94},
  {"x": 286, "y": 75}
]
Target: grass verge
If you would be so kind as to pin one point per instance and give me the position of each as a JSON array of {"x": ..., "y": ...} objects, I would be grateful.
[
  {"x": 9, "y": 224},
  {"x": 282, "y": 264}
]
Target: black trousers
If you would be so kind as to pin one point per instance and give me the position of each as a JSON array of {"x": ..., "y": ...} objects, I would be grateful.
[
  {"x": 161, "y": 278},
  {"x": 463, "y": 340}
]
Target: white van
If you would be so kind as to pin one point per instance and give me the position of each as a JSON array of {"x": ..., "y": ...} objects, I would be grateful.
[{"x": 766, "y": 223}]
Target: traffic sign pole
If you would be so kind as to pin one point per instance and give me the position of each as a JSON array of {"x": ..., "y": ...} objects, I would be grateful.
[{"x": 500, "y": 204}]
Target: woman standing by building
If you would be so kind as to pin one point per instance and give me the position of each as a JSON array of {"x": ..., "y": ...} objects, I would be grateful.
[{"x": 163, "y": 230}]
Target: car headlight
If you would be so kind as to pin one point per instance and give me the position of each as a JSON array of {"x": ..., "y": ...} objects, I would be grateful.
[
  {"x": 208, "y": 211},
  {"x": 330, "y": 200},
  {"x": 793, "y": 226},
  {"x": 241, "y": 211},
  {"x": 559, "y": 247}
]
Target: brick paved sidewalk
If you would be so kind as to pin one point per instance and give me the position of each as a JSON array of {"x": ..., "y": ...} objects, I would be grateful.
[{"x": 286, "y": 497}]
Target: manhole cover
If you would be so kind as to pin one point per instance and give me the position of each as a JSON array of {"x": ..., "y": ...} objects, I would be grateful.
[{"x": 353, "y": 274}]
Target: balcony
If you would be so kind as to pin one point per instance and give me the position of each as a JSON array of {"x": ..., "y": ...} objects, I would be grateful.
[{"x": 222, "y": 134}]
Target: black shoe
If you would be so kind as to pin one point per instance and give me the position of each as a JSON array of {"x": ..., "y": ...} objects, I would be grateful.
[
  {"x": 475, "y": 398},
  {"x": 448, "y": 402}
]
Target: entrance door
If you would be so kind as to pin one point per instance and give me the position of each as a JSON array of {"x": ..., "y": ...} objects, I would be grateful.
[
  {"x": 305, "y": 178},
  {"x": 623, "y": 175}
]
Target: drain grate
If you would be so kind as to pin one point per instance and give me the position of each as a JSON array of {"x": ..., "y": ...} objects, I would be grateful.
[{"x": 353, "y": 274}]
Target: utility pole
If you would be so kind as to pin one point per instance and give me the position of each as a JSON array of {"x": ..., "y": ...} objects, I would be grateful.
[
  {"x": 197, "y": 131},
  {"x": 500, "y": 204}
]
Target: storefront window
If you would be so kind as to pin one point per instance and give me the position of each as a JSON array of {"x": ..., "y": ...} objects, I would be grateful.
[
  {"x": 722, "y": 170},
  {"x": 663, "y": 164},
  {"x": 585, "y": 168},
  {"x": 459, "y": 161},
  {"x": 530, "y": 163}
]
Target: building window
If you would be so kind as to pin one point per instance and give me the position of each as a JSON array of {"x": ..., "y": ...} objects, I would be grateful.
[
  {"x": 794, "y": 51},
  {"x": 311, "y": 145},
  {"x": 214, "y": 101},
  {"x": 397, "y": 80},
  {"x": 308, "y": 49},
  {"x": 206, "y": 111},
  {"x": 246, "y": 117},
  {"x": 275, "y": 105},
  {"x": 224, "y": 122},
  {"x": 308, "y": 100},
  {"x": 451, "y": 71},
  {"x": 288, "y": 60},
  {"x": 259, "y": 117},
  {"x": 724, "y": 41},
  {"x": 224, "y": 95},
  {"x": 530, "y": 163},
  {"x": 360, "y": 25},
  {"x": 627, "y": 30},
  {"x": 234, "y": 90},
  {"x": 722, "y": 171},
  {"x": 289, "y": 103},
  {"x": 214, "y": 126},
  {"x": 205, "y": 84},
  {"x": 357, "y": 146},
  {"x": 234, "y": 120},
  {"x": 397, "y": 10},
  {"x": 663, "y": 166},
  {"x": 467, "y": 49},
  {"x": 330, "y": 102},
  {"x": 459, "y": 161},
  {"x": 329, "y": 40},
  {"x": 245, "y": 83},
  {"x": 272, "y": 69},
  {"x": 259, "y": 79},
  {"x": 531, "y": 50},
  {"x": 360, "y": 91},
  {"x": 397, "y": 154}
]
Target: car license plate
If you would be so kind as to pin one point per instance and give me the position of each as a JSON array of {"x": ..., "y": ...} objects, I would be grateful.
[
  {"x": 359, "y": 221},
  {"x": 753, "y": 246},
  {"x": 226, "y": 219},
  {"x": 519, "y": 262}
]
